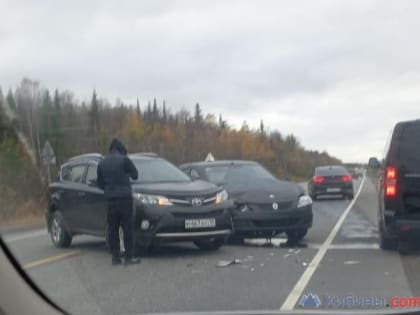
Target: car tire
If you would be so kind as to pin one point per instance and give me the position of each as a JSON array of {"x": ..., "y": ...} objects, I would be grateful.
[
  {"x": 60, "y": 237},
  {"x": 212, "y": 244},
  {"x": 313, "y": 197},
  {"x": 387, "y": 242},
  {"x": 295, "y": 236}
]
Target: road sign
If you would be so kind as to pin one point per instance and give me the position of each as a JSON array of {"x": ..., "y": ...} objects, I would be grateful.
[
  {"x": 48, "y": 155},
  {"x": 210, "y": 158}
]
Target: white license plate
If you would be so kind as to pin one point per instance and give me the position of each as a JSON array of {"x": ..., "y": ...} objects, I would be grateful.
[
  {"x": 333, "y": 190},
  {"x": 200, "y": 223}
]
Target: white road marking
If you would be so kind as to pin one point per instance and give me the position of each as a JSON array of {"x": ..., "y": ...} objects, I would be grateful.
[
  {"x": 24, "y": 235},
  {"x": 276, "y": 242},
  {"x": 297, "y": 290},
  {"x": 355, "y": 246}
]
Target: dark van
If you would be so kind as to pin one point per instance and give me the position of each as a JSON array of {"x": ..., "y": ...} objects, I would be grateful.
[{"x": 399, "y": 187}]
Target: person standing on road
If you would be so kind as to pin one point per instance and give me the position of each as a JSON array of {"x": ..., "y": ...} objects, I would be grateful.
[{"x": 114, "y": 173}]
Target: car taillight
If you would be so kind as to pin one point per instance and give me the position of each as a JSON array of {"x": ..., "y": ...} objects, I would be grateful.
[
  {"x": 346, "y": 178},
  {"x": 391, "y": 176},
  {"x": 318, "y": 179}
]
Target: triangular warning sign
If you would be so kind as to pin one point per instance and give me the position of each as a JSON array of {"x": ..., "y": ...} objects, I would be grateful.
[{"x": 210, "y": 158}]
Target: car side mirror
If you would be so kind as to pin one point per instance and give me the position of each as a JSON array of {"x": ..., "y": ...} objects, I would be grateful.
[{"x": 374, "y": 163}]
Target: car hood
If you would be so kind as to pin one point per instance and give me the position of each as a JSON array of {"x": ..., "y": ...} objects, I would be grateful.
[
  {"x": 192, "y": 188},
  {"x": 259, "y": 191}
]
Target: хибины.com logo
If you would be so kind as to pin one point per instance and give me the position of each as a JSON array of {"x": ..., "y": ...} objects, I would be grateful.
[
  {"x": 310, "y": 301},
  {"x": 405, "y": 302},
  {"x": 348, "y": 301}
]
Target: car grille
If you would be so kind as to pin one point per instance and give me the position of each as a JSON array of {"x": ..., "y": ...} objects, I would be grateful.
[
  {"x": 190, "y": 201},
  {"x": 282, "y": 205}
]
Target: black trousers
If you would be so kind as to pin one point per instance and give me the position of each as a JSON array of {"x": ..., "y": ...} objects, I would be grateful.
[{"x": 120, "y": 213}]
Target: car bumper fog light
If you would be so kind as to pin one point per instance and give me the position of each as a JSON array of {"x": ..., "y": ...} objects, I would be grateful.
[{"x": 145, "y": 224}]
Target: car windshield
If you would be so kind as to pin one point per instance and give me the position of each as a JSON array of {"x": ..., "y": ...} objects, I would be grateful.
[
  {"x": 158, "y": 171},
  {"x": 237, "y": 173},
  {"x": 217, "y": 174},
  {"x": 210, "y": 157}
]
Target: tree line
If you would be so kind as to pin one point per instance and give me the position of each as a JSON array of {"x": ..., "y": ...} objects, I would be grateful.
[{"x": 74, "y": 127}]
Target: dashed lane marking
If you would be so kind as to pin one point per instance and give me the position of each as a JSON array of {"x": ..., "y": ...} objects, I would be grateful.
[
  {"x": 25, "y": 235},
  {"x": 51, "y": 259}
]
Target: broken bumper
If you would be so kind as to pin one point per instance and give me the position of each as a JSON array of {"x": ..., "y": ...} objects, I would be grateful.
[{"x": 268, "y": 223}]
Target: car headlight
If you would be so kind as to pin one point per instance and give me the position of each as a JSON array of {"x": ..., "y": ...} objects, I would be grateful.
[
  {"x": 152, "y": 199},
  {"x": 222, "y": 196},
  {"x": 304, "y": 201}
]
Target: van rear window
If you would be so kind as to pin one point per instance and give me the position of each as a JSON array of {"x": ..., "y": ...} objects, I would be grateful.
[{"x": 410, "y": 148}]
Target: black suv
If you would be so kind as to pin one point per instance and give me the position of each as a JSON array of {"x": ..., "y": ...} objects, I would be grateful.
[
  {"x": 168, "y": 206},
  {"x": 264, "y": 205},
  {"x": 399, "y": 186}
]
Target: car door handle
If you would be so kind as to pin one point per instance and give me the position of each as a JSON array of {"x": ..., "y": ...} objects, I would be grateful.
[{"x": 81, "y": 193}]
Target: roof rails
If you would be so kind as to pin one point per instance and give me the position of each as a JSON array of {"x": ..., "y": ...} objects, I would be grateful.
[
  {"x": 149, "y": 154},
  {"x": 87, "y": 156}
]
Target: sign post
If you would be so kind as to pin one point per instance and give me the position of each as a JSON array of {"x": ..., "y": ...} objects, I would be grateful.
[{"x": 48, "y": 158}]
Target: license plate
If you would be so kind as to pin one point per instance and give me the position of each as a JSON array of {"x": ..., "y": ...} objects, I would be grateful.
[
  {"x": 200, "y": 223},
  {"x": 333, "y": 190}
]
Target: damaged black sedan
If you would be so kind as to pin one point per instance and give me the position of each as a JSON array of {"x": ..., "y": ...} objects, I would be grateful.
[
  {"x": 264, "y": 205},
  {"x": 168, "y": 205}
]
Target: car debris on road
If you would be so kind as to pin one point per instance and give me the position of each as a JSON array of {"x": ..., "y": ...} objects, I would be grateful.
[
  {"x": 226, "y": 263},
  {"x": 351, "y": 262}
]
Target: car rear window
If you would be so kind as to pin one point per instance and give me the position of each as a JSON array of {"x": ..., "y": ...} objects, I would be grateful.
[
  {"x": 330, "y": 171},
  {"x": 91, "y": 174},
  {"x": 410, "y": 148},
  {"x": 65, "y": 173},
  {"x": 76, "y": 173}
]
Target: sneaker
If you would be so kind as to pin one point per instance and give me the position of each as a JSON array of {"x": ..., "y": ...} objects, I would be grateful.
[
  {"x": 132, "y": 261},
  {"x": 116, "y": 261}
]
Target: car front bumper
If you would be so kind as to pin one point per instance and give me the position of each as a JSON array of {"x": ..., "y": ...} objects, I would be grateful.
[
  {"x": 167, "y": 224},
  {"x": 267, "y": 223}
]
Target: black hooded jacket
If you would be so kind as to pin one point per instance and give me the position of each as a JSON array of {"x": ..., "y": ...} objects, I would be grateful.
[{"x": 114, "y": 172}]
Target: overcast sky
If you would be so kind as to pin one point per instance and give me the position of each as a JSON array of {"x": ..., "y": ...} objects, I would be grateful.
[{"x": 337, "y": 74}]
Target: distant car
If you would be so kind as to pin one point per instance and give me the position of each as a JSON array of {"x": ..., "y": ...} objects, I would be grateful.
[
  {"x": 264, "y": 205},
  {"x": 168, "y": 205},
  {"x": 331, "y": 180},
  {"x": 399, "y": 187},
  {"x": 354, "y": 173}
]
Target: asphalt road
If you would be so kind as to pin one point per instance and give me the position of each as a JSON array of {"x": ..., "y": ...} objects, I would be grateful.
[{"x": 339, "y": 256}]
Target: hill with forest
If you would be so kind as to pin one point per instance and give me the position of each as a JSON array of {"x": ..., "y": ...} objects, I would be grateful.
[{"x": 73, "y": 127}]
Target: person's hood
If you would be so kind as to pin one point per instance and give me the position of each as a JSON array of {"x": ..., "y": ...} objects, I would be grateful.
[
  {"x": 188, "y": 188},
  {"x": 117, "y": 146},
  {"x": 267, "y": 190}
]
